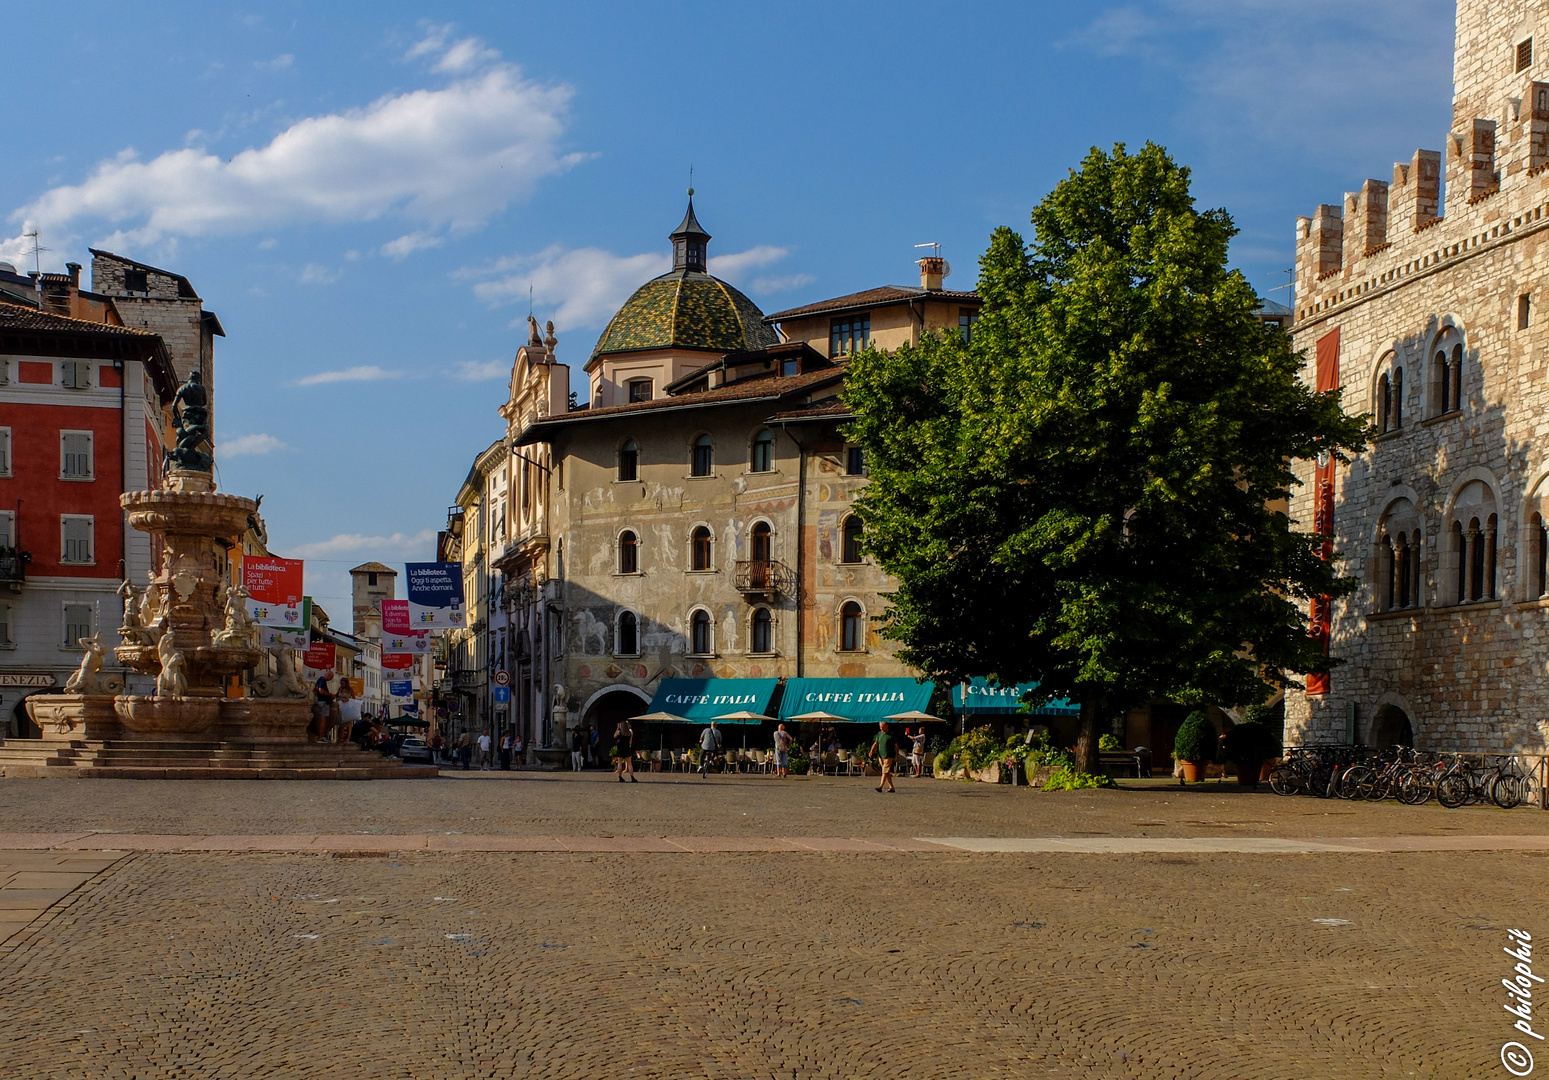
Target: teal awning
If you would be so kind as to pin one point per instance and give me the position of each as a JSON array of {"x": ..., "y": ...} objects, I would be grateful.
[
  {"x": 987, "y": 697},
  {"x": 699, "y": 701},
  {"x": 862, "y": 701}
]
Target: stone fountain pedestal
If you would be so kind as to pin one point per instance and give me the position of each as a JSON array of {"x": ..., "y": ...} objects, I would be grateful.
[{"x": 193, "y": 636}]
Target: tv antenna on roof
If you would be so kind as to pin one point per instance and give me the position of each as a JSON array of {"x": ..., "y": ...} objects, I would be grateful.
[
  {"x": 37, "y": 262},
  {"x": 935, "y": 253}
]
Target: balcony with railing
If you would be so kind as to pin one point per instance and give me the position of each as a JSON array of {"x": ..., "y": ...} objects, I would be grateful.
[
  {"x": 13, "y": 567},
  {"x": 767, "y": 578}
]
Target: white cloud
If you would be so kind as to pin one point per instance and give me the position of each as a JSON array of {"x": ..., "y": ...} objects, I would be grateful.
[
  {"x": 316, "y": 274},
  {"x": 407, "y": 245},
  {"x": 765, "y": 285},
  {"x": 363, "y": 373},
  {"x": 249, "y": 444},
  {"x": 481, "y": 370},
  {"x": 441, "y": 158},
  {"x": 590, "y": 284},
  {"x": 279, "y": 63},
  {"x": 352, "y": 543},
  {"x": 267, "y": 243},
  {"x": 465, "y": 55}
]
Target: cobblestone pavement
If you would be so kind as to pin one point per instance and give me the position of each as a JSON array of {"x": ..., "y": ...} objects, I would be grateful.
[
  {"x": 593, "y": 804},
  {"x": 758, "y": 965}
]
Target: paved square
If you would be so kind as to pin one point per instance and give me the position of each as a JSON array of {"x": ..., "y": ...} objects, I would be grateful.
[{"x": 810, "y": 955}]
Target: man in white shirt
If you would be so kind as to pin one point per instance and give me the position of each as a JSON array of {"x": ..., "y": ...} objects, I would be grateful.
[{"x": 484, "y": 752}]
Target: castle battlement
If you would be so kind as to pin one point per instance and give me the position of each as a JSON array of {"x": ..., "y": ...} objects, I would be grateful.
[{"x": 1489, "y": 186}]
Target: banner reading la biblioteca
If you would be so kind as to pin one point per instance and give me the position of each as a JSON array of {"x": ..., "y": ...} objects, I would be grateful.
[
  {"x": 275, "y": 601},
  {"x": 435, "y": 596}
]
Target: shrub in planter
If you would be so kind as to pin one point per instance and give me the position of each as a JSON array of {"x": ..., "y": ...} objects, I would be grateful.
[
  {"x": 1109, "y": 744},
  {"x": 1066, "y": 778},
  {"x": 1195, "y": 743},
  {"x": 1247, "y": 746}
]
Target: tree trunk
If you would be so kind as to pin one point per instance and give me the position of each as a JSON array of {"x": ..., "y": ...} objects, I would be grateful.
[{"x": 1087, "y": 760}]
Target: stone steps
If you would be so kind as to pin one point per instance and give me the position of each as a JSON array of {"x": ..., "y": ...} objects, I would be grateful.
[{"x": 211, "y": 760}]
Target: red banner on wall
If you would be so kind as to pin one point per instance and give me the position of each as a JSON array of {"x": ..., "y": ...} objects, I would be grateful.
[
  {"x": 1321, "y": 616},
  {"x": 397, "y": 661}
]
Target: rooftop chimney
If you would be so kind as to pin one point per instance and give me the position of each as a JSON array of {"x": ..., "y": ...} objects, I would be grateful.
[
  {"x": 75, "y": 274},
  {"x": 933, "y": 268}
]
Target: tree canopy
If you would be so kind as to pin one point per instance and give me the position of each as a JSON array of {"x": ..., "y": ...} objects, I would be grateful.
[{"x": 1091, "y": 492}]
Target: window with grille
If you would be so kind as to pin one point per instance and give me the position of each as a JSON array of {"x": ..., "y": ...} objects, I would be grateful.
[
  {"x": 77, "y": 624},
  {"x": 75, "y": 374},
  {"x": 629, "y": 461},
  {"x": 1525, "y": 54},
  {"x": 5, "y": 625},
  {"x": 76, "y": 531},
  {"x": 704, "y": 456},
  {"x": 701, "y": 639},
  {"x": 75, "y": 455},
  {"x": 849, "y": 334},
  {"x": 763, "y": 453},
  {"x": 5, "y": 451},
  {"x": 136, "y": 281}
]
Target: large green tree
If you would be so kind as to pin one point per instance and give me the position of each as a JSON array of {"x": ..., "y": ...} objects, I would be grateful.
[{"x": 1085, "y": 493}]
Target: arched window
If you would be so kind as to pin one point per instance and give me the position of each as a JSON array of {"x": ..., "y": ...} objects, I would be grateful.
[
  {"x": 629, "y": 552},
  {"x": 1398, "y": 398},
  {"x": 1399, "y": 551},
  {"x": 629, "y": 634},
  {"x": 852, "y": 539},
  {"x": 1474, "y": 529},
  {"x": 852, "y": 627},
  {"x": 763, "y": 453},
  {"x": 1441, "y": 383},
  {"x": 701, "y": 639},
  {"x": 760, "y": 548},
  {"x": 1446, "y": 381},
  {"x": 704, "y": 457},
  {"x": 1384, "y": 402},
  {"x": 1539, "y": 545},
  {"x": 1457, "y": 376},
  {"x": 763, "y": 631},
  {"x": 629, "y": 461},
  {"x": 700, "y": 548},
  {"x": 1460, "y": 558}
]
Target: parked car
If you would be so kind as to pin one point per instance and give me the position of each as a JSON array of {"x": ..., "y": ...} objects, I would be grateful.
[{"x": 414, "y": 748}]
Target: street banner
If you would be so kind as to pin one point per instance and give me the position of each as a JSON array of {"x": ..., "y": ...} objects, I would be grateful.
[
  {"x": 435, "y": 596},
  {"x": 319, "y": 656},
  {"x": 406, "y": 644},
  {"x": 395, "y": 617},
  {"x": 397, "y": 661},
  {"x": 274, "y": 588},
  {"x": 404, "y": 688},
  {"x": 276, "y": 637}
]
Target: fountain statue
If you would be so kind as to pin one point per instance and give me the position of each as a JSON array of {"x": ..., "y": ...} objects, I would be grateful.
[{"x": 192, "y": 632}]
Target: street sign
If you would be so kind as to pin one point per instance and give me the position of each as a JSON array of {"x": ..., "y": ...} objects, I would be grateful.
[
  {"x": 32, "y": 679},
  {"x": 502, "y": 679},
  {"x": 502, "y": 694}
]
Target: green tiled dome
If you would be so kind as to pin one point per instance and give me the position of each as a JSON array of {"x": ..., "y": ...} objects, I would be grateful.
[{"x": 688, "y": 310}]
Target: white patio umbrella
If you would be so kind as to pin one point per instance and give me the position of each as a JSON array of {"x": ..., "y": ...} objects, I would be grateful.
[
  {"x": 914, "y": 715},
  {"x": 743, "y": 717}
]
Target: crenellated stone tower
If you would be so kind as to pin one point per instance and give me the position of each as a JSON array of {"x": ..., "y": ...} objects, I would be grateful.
[{"x": 1422, "y": 298}]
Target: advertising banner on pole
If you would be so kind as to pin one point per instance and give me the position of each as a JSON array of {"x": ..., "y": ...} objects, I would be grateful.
[
  {"x": 435, "y": 596},
  {"x": 319, "y": 656},
  {"x": 274, "y": 588},
  {"x": 287, "y": 637},
  {"x": 405, "y": 645},
  {"x": 403, "y": 688},
  {"x": 397, "y": 661},
  {"x": 395, "y": 617}
]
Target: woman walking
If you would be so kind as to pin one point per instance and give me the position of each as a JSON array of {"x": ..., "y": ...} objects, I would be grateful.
[{"x": 624, "y": 751}]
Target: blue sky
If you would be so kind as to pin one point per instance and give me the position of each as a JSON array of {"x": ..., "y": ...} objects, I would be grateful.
[{"x": 364, "y": 195}]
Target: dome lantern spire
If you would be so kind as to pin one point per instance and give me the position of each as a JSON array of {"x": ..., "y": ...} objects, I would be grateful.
[{"x": 689, "y": 241}]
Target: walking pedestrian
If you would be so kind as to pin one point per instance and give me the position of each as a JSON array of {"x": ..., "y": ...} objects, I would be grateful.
[
  {"x": 593, "y": 738},
  {"x": 882, "y": 747},
  {"x": 484, "y": 743},
  {"x": 437, "y": 748},
  {"x": 464, "y": 750},
  {"x": 709, "y": 746},
  {"x": 507, "y": 741},
  {"x": 577, "y": 751},
  {"x": 917, "y": 755},
  {"x": 782, "y": 751},
  {"x": 624, "y": 751}
]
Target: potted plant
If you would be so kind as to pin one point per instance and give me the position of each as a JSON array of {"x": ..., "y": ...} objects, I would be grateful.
[
  {"x": 1195, "y": 746},
  {"x": 1248, "y": 746}
]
